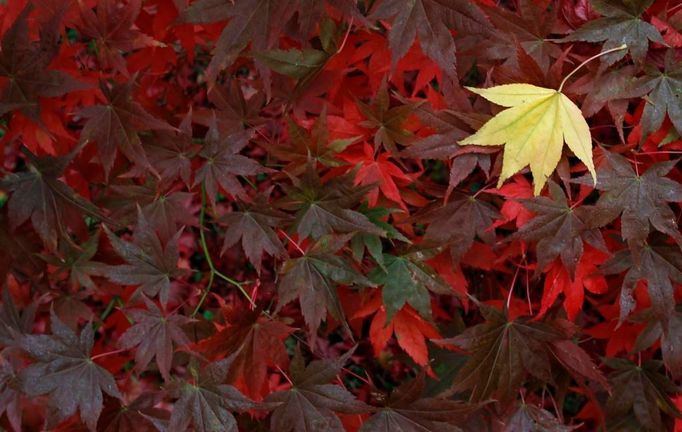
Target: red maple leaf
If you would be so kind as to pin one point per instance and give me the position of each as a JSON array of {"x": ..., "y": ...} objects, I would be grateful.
[
  {"x": 410, "y": 329},
  {"x": 388, "y": 178}
]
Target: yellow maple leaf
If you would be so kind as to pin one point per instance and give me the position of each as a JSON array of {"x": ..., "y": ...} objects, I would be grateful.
[{"x": 533, "y": 130}]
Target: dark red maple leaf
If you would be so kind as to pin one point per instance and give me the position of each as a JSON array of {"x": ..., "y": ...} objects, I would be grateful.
[
  {"x": 356, "y": 221},
  {"x": 256, "y": 22},
  {"x": 77, "y": 262},
  {"x": 137, "y": 415},
  {"x": 166, "y": 211},
  {"x": 223, "y": 163},
  {"x": 451, "y": 125},
  {"x": 659, "y": 264},
  {"x": 532, "y": 418},
  {"x": 663, "y": 90},
  {"x": 610, "y": 90},
  {"x": 149, "y": 263},
  {"x": 560, "y": 229},
  {"x": 529, "y": 27},
  {"x": 24, "y": 64},
  {"x": 457, "y": 223},
  {"x": 314, "y": 146},
  {"x": 641, "y": 396},
  {"x": 207, "y": 402},
  {"x": 234, "y": 111},
  {"x": 13, "y": 322},
  {"x": 10, "y": 393},
  {"x": 254, "y": 226},
  {"x": 504, "y": 354},
  {"x": 114, "y": 126},
  {"x": 431, "y": 21},
  {"x": 386, "y": 120},
  {"x": 171, "y": 153},
  {"x": 63, "y": 359},
  {"x": 406, "y": 409},
  {"x": 313, "y": 279},
  {"x": 325, "y": 208},
  {"x": 671, "y": 340},
  {"x": 311, "y": 402},
  {"x": 111, "y": 26},
  {"x": 621, "y": 23},
  {"x": 154, "y": 335},
  {"x": 51, "y": 204},
  {"x": 259, "y": 342},
  {"x": 19, "y": 252},
  {"x": 640, "y": 199}
]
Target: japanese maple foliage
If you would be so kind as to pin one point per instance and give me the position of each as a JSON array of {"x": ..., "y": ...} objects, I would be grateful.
[{"x": 348, "y": 215}]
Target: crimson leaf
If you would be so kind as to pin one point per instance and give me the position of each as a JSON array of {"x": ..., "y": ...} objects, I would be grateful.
[{"x": 258, "y": 340}]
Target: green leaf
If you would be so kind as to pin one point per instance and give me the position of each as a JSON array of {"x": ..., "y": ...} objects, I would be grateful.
[
  {"x": 406, "y": 280},
  {"x": 294, "y": 63}
]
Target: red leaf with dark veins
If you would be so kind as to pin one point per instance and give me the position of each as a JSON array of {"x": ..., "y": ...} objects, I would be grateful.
[{"x": 259, "y": 342}]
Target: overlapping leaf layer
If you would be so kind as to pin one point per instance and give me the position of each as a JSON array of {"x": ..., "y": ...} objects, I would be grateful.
[{"x": 348, "y": 215}]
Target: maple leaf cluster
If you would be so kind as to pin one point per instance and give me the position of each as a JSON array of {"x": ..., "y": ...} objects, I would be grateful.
[{"x": 349, "y": 215}]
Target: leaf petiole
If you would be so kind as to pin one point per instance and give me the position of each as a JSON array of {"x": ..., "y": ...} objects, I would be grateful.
[{"x": 608, "y": 51}]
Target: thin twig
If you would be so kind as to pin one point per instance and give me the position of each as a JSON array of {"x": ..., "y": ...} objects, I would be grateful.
[{"x": 213, "y": 270}]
